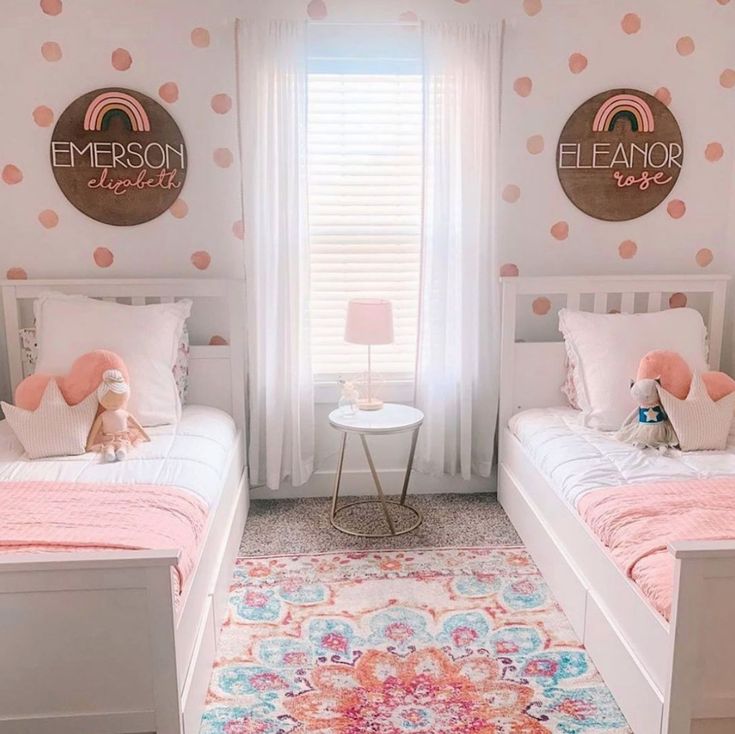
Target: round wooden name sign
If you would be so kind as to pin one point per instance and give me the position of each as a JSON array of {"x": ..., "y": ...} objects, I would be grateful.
[
  {"x": 619, "y": 154},
  {"x": 118, "y": 156}
]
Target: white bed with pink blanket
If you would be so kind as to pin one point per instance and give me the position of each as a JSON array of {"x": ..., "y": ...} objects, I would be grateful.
[
  {"x": 638, "y": 546},
  {"x": 114, "y": 576},
  {"x": 159, "y": 498}
]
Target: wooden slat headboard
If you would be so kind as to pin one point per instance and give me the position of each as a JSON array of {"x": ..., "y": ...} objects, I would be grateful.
[
  {"x": 216, "y": 372},
  {"x": 531, "y": 373}
]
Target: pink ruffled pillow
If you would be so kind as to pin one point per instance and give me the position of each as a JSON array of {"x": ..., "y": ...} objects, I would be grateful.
[{"x": 83, "y": 378}]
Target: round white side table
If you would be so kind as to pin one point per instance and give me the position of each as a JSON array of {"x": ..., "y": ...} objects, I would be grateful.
[{"x": 391, "y": 419}]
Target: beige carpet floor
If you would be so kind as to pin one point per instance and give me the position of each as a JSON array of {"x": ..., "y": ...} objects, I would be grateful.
[{"x": 302, "y": 525}]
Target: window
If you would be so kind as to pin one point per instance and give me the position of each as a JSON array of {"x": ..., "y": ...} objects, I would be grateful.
[{"x": 365, "y": 155}]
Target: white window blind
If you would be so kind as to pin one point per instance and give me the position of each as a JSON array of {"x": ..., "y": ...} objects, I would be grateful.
[{"x": 365, "y": 196}]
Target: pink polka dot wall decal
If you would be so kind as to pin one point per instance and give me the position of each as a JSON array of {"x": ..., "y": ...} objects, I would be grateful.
[
  {"x": 663, "y": 95},
  {"x": 201, "y": 259},
  {"x": 222, "y": 157},
  {"x": 541, "y": 306},
  {"x": 43, "y": 116},
  {"x": 12, "y": 174},
  {"x": 727, "y": 78},
  {"x": 560, "y": 230},
  {"x": 48, "y": 218},
  {"x": 577, "y": 63},
  {"x": 16, "y": 274},
  {"x": 511, "y": 193},
  {"x": 631, "y": 23},
  {"x": 676, "y": 208},
  {"x": 462, "y": 2},
  {"x": 723, "y": 2},
  {"x": 509, "y": 270},
  {"x": 677, "y": 300},
  {"x": 627, "y": 249},
  {"x": 200, "y": 37},
  {"x": 685, "y": 46},
  {"x": 532, "y": 7},
  {"x": 121, "y": 59},
  {"x": 51, "y": 51},
  {"x": 523, "y": 86},
  {"x": 713, "y": 152},
  {"x": 179, "y": 208},
  {"x": 408, "y": 17},
  {"x": 238, "y": 229},
  {"x": 535, "y": 144},
  {"x": 52, "y": 7},
  {"x": 217, "y": 341},
  {"x": 704, "y": 257},
  {"x": 169, "y": 92},
  {"x": 103, "y": 257},
  {"x": 221, "y": 103},
  {"x": 317, "y": 10}
]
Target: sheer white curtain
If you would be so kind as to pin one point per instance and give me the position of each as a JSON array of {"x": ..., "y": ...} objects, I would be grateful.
[
  {"x": 272, "y": 105},
  {"x": 458, "y": 351}
]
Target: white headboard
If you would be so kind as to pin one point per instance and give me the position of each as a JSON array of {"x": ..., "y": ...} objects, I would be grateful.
[
  {"x": 216, "y": 372},
  {"x": 532, "y": 372}
]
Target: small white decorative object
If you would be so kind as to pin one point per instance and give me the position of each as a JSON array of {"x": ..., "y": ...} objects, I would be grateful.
[
  {"x": 54, "y": 428},
  {"x": 349, "y": 398},
  {"x": 699, "y": 422}
]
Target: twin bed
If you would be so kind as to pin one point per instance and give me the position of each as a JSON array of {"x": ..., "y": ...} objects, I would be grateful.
[
  {"x": 608, "y": 524},
  {"x": 99, "y": 635}
]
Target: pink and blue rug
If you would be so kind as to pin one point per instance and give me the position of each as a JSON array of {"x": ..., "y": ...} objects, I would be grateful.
[{"x": 449, "y": 641}]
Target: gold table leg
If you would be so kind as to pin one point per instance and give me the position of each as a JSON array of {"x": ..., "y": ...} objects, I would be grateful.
[
  {"x": 381, "y": 500},
  {"x": 338, "y": 477},
  {"x": 378, "y": 485}
]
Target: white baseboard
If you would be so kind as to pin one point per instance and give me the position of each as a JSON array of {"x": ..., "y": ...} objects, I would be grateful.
[{"x": 360, "y": 483}]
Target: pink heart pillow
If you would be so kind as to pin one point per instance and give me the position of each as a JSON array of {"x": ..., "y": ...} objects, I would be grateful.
[{"x": 83, "y": 378}]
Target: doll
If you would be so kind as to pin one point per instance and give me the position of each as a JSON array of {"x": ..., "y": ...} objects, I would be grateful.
[
  {"x": 114, "y": 431},
  {"x": 648, "y": 425}
]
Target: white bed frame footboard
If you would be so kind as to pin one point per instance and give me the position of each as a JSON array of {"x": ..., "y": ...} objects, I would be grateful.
[
  {"x": 668, "y": 678},
  {"x": 94, "y": 643}
]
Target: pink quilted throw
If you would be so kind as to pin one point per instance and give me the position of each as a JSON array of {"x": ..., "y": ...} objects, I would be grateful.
[
  {"x": 71, "y": 516},
  {"x": 637, "y": 522}
]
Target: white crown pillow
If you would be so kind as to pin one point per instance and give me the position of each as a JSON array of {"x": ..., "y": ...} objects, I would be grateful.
[
  {"x": 146, "y": 337},
  {"x": 54, "y": 428}
]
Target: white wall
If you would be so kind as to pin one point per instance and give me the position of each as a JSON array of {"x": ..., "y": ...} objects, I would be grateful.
[{"x": 540, "y": 37}]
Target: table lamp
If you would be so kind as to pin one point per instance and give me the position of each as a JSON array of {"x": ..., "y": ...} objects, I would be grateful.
[{"x": 369, "y": 322}]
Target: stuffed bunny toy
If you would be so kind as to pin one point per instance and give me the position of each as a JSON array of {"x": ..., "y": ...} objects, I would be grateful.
[
  {"x": 647, "y": 425},
  {"x": 115, "y": 430}
]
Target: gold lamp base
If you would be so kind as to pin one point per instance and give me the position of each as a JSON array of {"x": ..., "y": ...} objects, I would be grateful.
[{"x": 370, "y": 404}]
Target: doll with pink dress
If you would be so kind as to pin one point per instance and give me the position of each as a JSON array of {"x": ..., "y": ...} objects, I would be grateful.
[{"x": 115, "y": 431}]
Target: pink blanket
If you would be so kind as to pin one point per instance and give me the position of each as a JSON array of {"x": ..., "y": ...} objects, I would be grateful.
[
  {"x": 71, "y": 516},
  {"x": 637, "y": 522}
]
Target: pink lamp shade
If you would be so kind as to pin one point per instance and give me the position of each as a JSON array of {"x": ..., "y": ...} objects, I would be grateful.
[{"x": 369, "y": 321}]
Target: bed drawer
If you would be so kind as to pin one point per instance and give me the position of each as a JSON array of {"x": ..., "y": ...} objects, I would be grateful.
[
  {"x": 195, "y": 689},
  {"x": 558, "y": 570},
  {"x": 634, "y": 691}
]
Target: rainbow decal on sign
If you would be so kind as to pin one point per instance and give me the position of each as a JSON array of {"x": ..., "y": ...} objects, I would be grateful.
[
  {"x": 624, "y": 106},
  {"x": 108, "y": 105}
]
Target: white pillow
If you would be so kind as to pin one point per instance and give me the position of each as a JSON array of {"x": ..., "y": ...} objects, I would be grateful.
[
  {"x": 146, "y": 337},
  {"x": 607, "y": 349}
]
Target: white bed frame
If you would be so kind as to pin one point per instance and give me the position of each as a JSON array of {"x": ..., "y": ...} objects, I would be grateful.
[
  {"x": 91, "y": 643},
  {"x": 676, "y": 678}
]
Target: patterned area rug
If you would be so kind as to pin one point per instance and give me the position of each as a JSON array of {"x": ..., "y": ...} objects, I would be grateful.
[{"x": 450, "y": 641}]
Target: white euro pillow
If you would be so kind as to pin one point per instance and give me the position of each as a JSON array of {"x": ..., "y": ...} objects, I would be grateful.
[
  {"x": 146, "y": 337},
  {"x": 607, "y": 349}
]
